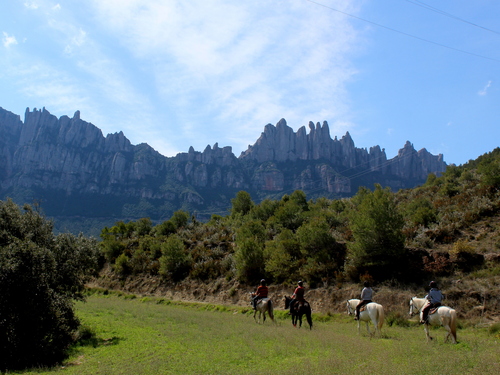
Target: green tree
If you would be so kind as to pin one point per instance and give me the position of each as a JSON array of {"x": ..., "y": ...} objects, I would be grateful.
[
  {"x": 175, "y": 262},
  {"x": 180, "y": 218},
  {"x": 283, "y": 257},
  {"x": 376, "y": 224},
  {"x": 40, "y": 276},
  {"x": 323, "y": 254},
  {"x": 143, "y": 226},
  {"x": 249, "y": 253},
  {"x": 421, "y": 212},
  {"x": 489, "y": 170},
  {"x": 249, "y": 260},
  {"x": 241, "y": 204},
  {"x": 290, "y": 211}
]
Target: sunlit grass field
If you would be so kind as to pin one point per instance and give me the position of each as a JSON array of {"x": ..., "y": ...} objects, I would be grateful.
[{"x": 152, "y": 336}]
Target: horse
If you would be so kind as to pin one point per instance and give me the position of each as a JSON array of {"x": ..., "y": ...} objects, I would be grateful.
[
  {"x": 299, "y": 310},
  {"x": 371, "y": 311},
  {"x": 263, "y": 306},
  {"x": 442, "y": 316}
]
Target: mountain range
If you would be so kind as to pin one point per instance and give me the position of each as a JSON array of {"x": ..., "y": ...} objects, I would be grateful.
[{"x": 83, "y": 180}]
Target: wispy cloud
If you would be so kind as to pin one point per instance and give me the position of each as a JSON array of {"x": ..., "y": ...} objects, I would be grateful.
[
  {"x": 184, "y": 64},
  {"x": 250, "y": 63},
  {"x": 31, "y": 5},
  {"x": 8, "y": 40},
  {"x": 485, "y": 89}
]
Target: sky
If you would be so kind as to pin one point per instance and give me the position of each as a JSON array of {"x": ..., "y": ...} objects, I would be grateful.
[{"x": 175, "y": 74}]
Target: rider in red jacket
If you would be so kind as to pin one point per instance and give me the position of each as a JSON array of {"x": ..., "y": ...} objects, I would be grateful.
[
  {"x": 260, "y": 293},
  {"x": 298, "y": 295}
]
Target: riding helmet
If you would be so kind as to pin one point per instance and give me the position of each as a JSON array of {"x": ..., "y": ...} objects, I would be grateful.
[
  {"x": 300, "y": 283},
  {"x": 433, "y": 284},
  {"x": 263, "y": 282}
]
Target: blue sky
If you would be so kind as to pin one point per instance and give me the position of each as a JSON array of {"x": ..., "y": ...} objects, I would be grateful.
[{"x": 176, "y": 74}]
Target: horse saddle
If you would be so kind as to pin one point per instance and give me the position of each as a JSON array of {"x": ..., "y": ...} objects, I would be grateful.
[
  {"x": 298, "y": 304},
  {"x": 363, "y": 308},
  {"x": 434, "y": 310}
]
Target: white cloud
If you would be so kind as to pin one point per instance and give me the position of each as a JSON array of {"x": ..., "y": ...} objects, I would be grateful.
[
  {"x": 31, "y": 5},
  {"x": 236, "y": 60},
  {"x": 8, "y": 40},
  {"x": 75, "y": 41},
  {"x": 484, "y": 91}
]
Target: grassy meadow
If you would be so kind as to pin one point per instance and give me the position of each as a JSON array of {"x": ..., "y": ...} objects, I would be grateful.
[{"x": 155, "y": 336}]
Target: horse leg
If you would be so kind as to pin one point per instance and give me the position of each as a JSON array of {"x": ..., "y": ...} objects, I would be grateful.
[
  {"x": 426, "y": 329},
  {"x": 448, "y": 333},
  {"x": 309, "y": 320}
]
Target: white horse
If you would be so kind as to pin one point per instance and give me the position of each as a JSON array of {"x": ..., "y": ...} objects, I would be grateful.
[
  {"x": 371, "y": 311},
  {"x": 263, "y": 306},
  {"x": 444, "y": 316}
]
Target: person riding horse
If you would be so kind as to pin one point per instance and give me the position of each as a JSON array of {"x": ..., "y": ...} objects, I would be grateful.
[
  {"x": 434, "y": 299},
  {"x": 366, "y": 297},
  {"x": 260, "y": 293},
  {"x": 297, "y": 296}
]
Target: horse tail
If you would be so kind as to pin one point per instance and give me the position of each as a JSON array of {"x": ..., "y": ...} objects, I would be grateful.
[
  {"x": 381, "y": 316},
  {"x": 453, "y": 323},
  {"x": 270, "y": 309}
]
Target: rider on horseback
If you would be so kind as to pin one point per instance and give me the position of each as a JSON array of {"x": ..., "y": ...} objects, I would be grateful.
[
  {"x": 297, "y": 296},
  {"x": 433, "y": 300},
  {"x": 260, "y": 293},
  {"x": 366, "y": 297}
]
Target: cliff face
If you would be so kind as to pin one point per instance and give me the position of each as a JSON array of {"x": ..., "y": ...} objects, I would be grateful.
[{"x": 68, "y": 164}]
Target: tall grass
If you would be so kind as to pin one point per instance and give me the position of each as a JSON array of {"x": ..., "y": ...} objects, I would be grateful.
[{"x": 148, "y": 336}]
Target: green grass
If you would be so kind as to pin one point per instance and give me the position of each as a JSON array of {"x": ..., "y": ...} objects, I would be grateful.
[{"x": 156, "y": 336}]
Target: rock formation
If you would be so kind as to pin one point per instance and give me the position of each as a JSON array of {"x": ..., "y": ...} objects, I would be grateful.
[{"x": 71, "y": 169}]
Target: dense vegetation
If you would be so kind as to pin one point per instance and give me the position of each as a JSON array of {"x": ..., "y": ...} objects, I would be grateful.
[
  {"x": 405, "y": 236},
  {"x": 409, "y": 236},
  {"x": 40, "y": 277}
]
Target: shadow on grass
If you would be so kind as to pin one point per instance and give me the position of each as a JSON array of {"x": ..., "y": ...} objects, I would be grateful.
[{"x": 86, "y": 336}]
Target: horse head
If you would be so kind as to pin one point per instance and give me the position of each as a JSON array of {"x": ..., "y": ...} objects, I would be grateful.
[
  {"x": 287, "y": 301},
  {"x": 415, "y": 306},
  {"x": 350, "y": 310}
]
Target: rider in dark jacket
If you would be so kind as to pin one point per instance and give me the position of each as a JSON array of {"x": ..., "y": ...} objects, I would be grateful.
[
  {"x": 366, "y": 297},
  {"x": 434, "y": 298}
]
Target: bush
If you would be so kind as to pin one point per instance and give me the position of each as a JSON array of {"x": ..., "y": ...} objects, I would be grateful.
[
  {"x": 40, "y": 275},
  {"x": 122, "y": 266},
  {"x": 175, "y": 262},
  {"x": 494, "y": 329}
]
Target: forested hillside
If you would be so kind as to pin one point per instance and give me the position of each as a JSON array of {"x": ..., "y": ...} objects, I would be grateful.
[{"x": 446, "y": 229}]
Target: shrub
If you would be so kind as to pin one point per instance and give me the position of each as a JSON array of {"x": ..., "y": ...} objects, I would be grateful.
[
  {"x": 494, "y": 329},
  {"x": 175, "y": 262},
  {"x": 40, "y": 275},
  {"x": 122, "y": 266}
]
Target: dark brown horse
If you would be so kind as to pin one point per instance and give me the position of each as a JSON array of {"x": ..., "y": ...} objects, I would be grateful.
[{"x": 298, "y": 310}]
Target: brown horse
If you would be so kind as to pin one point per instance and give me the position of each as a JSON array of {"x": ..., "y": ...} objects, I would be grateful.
[{"x": 298, "y": 311}]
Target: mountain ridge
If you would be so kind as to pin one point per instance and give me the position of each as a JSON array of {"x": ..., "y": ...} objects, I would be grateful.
[{"x": 68, "y": 166}]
